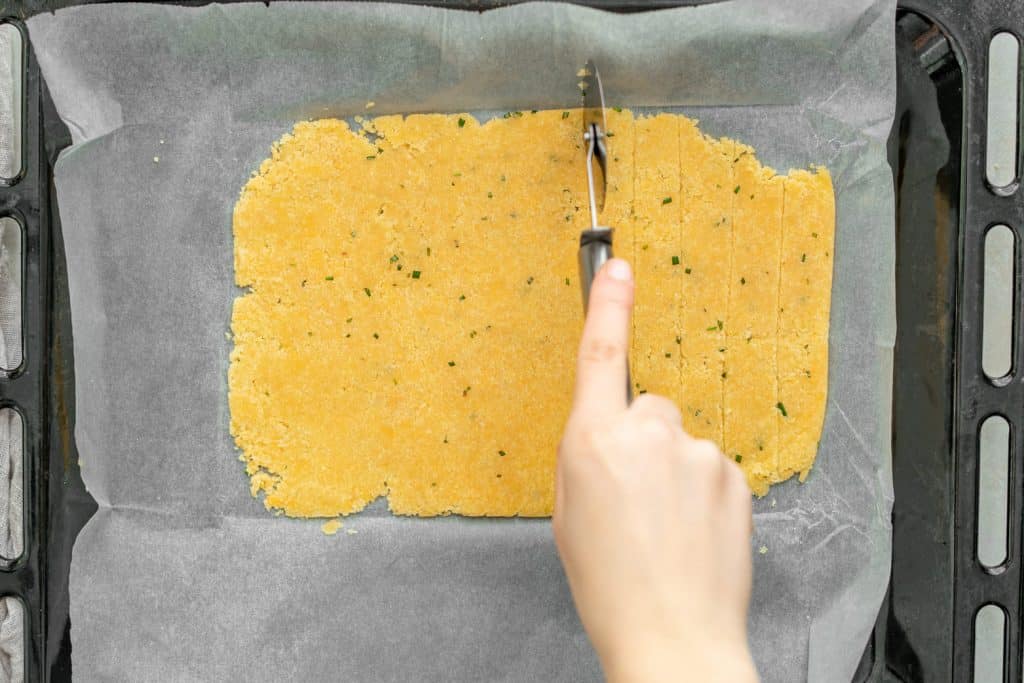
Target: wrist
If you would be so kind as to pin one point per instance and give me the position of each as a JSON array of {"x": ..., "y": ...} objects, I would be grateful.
[{"x": 679, "y": 663}]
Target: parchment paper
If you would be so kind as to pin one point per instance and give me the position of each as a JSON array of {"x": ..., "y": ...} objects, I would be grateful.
[{"x": 181, "y": 575}]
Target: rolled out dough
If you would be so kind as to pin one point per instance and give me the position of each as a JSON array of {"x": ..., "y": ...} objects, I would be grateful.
[{"x": 413, "y": 309}]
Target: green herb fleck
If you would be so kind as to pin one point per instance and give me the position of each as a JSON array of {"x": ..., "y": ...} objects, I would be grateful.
[
  {"x": 415, "y": 275},
  {"x": 533, "y": 111},
  {"x": 610, "y": 134},
  {"x": 803, "y": 258},
  {"x": 490, "y": 195},
  {"x": 451, "y": 364},
  {"x": 675, "y": 260},
  {"x": 712, "y": 328},
  {"x": 814, "y": 235},
  {"x": 472, "y": 333},
  {"x": 348, "y": 320},
  {"x": 371, "y": 157},
  {"x": 720, "y": 324},
  {"x": 367, "y": 290},
  {"x": 529, "y": 280},
  {"x": 743, "y": 280},
  {"x": 679, "y": 340},
  {"x": 501, "y": 453},
  {"x": 462, "y": 297},
  {"x": 668, "y": 355},
  {"x": 462, "y": 122},
  {"x": 376, "y": 336},
  {"x": 736, "y": 190},
  {"x": 394, "y": 258},
  {"x": 566, "y": 282},
  {"x": 738, "y": 458},
  {"x": 688, "y": 271},
  {"x": 666, "y": 200},
  {"x": 329, "y": 278},
  {"x": 565, "y": 114},
  {"x": 782, "y": 409},
  {"x": 465, "y": 392}
]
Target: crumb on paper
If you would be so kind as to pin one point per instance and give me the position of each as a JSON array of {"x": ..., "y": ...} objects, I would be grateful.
[
  {"x": 763, "y": 550},
  {"x": 331, "y": 526},
  {"x": 156, "y": 160},
  {"x": 351, "y": 532},
  {"x": 371, "y": 104},
  {"x": 773, "y": 502}
]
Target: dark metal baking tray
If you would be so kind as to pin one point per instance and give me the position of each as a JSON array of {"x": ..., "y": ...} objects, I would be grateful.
[{"x": 925, "y": 629}]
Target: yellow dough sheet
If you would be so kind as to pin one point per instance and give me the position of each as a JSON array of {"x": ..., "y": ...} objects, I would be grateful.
[{"x": 412, "y": 308}]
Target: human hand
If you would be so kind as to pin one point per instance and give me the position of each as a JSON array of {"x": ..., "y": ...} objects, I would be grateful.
[{"x": 653, "y": 526}]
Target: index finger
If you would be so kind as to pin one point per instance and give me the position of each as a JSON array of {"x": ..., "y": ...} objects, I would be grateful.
[{"x": 601, "y": 370}]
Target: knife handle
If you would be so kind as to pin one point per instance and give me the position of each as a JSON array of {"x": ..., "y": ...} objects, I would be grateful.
[{"x": 595, "y": 250}]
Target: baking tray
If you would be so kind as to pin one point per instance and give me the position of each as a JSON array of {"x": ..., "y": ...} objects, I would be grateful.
[{"x": 925, "y": 629}]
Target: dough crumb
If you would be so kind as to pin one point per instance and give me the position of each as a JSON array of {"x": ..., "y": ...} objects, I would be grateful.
[
  {"x": 371, "y": 104},
  {"x": 763, "y": 550},
  {"x": 331, "y": 526},
  {"x": 351, "y": 532}
]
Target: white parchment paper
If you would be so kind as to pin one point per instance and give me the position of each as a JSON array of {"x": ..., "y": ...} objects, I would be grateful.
[{"x": 181, "y": 575}]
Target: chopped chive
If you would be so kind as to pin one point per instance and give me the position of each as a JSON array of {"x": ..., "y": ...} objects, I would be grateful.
[
  {"x": 371, "y": 157},
  {"x": 348, "y": 320},
  {"x": 720, "y": 324},
  {"x": 738, "y": 458},
  {"x": 462, "y": 297},
  {"x": 394, "y": 258},
  {"x": 415, "y": 275},
  {"x": 675, "y": 260},
  {"x": 529, "y": 280},
  {"x": 565, "y": 114},
  {"x": 566, "y": 282},
  {"x": 617, "y": 109},
  {"x": 329, "y": 278},
  {"x": 688, "y": 271},
  {"x": 398, "y": 267},
  {"x": 712, "y": 328},
  {"x": 666, "y": 200},
  {"x": 376, "y": 336},
  {"x": 736, "y": 190},
  {"x": 465, "y": 392},
  {"x": 451, "y": 364},
  {"x": 533, "y": 111},
  {"x": 782, "y": 409},
  {"x": 472, "y": 334},
  {"x": 803, "y": 258},
  {"x": 490, "y": 195},
  {"x": 743, "y": 280},
  {"x": 367, "y": 290},
  {"x": 501, "y": 453},
  {"x": 668, "y": 355},
  {"x": 610, "y": 134},
  {"x": 814, "y": 234},
  {"x": 462, "y": 122},
  {"x": 428, "y": 251},
  {"x": 679, "y": 340}
]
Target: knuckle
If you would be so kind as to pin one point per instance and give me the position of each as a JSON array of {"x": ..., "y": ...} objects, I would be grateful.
[
  {"x": 600, "y": 351},
  {"x": 654, "y": 428}
]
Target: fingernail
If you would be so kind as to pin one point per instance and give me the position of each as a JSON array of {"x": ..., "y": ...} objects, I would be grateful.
[{"x": 619, "y": 270}]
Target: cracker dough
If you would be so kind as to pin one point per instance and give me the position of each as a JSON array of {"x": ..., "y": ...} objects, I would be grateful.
[{"x": 412, "y": 307}]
